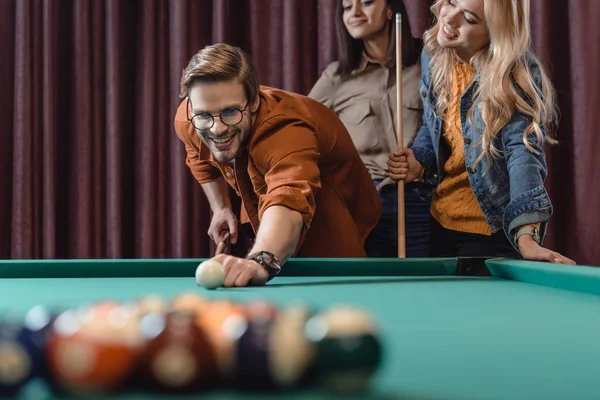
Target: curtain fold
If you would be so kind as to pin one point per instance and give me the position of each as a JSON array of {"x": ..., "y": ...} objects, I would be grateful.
[
  {"x": 22, "y": 221},
  {"x": 579, "y": 234},
  {"x": 90, "y": 164},
  {"x": 50, "y": 120}
]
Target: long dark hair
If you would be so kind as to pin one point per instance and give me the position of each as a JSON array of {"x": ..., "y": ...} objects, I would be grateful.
[{"x": 350, "y": 50}]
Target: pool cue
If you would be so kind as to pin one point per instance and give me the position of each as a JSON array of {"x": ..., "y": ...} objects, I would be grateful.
[
  {"x": 222, "y": 244},
  {"x": 400, "y": 134}
]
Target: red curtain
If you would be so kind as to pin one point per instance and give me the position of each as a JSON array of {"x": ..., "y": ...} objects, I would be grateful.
[{"x": 91, "y": 167}]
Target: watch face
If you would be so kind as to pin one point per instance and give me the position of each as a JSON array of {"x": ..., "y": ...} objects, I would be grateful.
[
  {"x": 266, "y": 257},
  {"x": 268, "y": 260}
]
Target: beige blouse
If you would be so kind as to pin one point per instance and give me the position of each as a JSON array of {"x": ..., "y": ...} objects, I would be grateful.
[{"x": 366, "y": 101}]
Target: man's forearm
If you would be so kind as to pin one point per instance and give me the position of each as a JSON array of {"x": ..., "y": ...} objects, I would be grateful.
[
  {"x": 279, "y": 232},
  {"x": 217, "y": 194}
]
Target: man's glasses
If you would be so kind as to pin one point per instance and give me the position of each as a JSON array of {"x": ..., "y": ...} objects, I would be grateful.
[{"x": 230, "y": 116}]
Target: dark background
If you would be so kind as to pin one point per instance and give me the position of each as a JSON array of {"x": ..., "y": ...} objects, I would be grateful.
[{"x": 90, "y": 166}]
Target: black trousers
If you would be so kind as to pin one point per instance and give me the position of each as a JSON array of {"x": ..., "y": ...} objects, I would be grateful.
[{"x": 448, "y": 243}]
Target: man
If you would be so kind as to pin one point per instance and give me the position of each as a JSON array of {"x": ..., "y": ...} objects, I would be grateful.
[{"x": 303, "y": 186}]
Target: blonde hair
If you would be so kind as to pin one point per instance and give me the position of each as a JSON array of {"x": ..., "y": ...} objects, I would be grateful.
[
  {"x": 220, "y": 63},
  {"x": 505, "y": 84}
]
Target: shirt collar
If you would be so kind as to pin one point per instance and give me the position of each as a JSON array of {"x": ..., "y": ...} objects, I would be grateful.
[{"x": 364, "y": 61}]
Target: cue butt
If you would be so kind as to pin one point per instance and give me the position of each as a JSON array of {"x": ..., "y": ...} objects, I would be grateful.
[{"x": 222, "y": 244}]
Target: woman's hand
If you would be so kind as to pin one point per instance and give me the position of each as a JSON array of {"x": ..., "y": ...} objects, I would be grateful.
[
  {"x": 531, "y": 250},
  {"x": 403, "y": 165}
]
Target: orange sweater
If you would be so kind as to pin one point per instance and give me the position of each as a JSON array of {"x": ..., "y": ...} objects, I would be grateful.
[{"x": 454, "y": 205}]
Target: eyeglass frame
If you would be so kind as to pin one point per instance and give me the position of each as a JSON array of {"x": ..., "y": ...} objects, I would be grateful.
[{"x": 188, "y": 109}]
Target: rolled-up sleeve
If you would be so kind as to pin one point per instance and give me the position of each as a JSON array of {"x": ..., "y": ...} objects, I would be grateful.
[
  {"x": 527, "y": 170},
  {"x": 289, "y": 159},
  {"x": 529, "y": 200}
]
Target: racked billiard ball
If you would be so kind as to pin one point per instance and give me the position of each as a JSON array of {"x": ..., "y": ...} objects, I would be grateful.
[
  {"x": 348, "y": 346},
  {"x": 178, "y": 356},
  {"x": 148, "y": 304},
  {"x": 291, "y": 354},
  {"x": 189, "y": 301},
  {"x": 217, "y": 320},
  {"x": 94, "y": 349},
  {"x": 22, "y": 349},
  {"x": 16, "y": 361},
  {"x": 251, "y": 335}
]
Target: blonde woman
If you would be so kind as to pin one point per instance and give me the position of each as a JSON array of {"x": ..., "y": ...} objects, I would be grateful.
[
  {"x": 360, "y": 87},
  {"x": 488, "y": 107}
]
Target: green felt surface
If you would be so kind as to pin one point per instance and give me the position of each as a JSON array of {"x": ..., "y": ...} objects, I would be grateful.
[{"x": 445, "y": 337}]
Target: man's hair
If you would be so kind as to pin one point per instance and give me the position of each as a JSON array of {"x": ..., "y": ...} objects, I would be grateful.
[{"x": 220, "y": 63}]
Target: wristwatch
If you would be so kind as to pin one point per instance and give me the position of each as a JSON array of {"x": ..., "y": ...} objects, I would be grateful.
[
  {"x": 528, "y": 230},
  {"x": 268, "y": 261}
]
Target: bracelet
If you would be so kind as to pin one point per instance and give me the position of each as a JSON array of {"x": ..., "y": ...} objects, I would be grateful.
[
  {"x": 528, "y": 230},
  {"x": 420, "y": 177}
]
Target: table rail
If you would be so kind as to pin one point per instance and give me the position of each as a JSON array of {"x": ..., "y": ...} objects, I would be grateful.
[{"x": 186, "y": 267}]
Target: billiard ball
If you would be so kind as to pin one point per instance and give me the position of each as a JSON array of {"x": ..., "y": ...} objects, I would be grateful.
[
  {"x": 210, "y": 274},
  {"x": 111, "y": 322},
  {"x": 291, "y": 354},
  {"x": 251, "y": 336},
  {"x": 22, "y": 349},
  {"x": 178, "y": 356},
  {"x": 94, "y": 349},
  {"x": 348, "y": 347},
  {"x": 189, "y": 301},
  {"x": 149, "y": 303},
  {"x": 37, "y": 326},
  {"x": 218, "y": 320},
  {"x": 16, "y": 361}
]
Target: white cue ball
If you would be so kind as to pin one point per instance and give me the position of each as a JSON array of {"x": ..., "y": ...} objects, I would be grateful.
[{"x": 210, "y": 274}]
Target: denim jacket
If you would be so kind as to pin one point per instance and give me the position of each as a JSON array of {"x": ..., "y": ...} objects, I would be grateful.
[{"x": 509, "y": 189}]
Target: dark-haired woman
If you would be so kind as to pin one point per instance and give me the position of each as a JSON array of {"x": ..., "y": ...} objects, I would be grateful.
[{"x": 360, "y": 87}]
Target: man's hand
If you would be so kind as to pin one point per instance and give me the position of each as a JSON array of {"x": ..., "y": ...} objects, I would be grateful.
[
  {"x": 403, "y": 165},
  {"x": 223, "y": 220},
  {"x": 531, "y": 250},
  {"x": 242, "y": 272}
]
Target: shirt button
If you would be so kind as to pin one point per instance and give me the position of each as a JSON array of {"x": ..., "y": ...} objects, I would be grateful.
[
  {"x": 497, "y": 223},
  {"x": 470, "y": 170},
  {"x": 228, "y": 175},
  {"x": 480, "y": 196},
  {"x": 467, "y": 140}
]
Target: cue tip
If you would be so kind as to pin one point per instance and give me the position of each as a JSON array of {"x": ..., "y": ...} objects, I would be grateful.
[{"x": 398, "y": 17}]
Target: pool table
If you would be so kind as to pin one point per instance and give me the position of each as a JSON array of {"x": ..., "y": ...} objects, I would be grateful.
[{"x": 451, "y": 328}]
